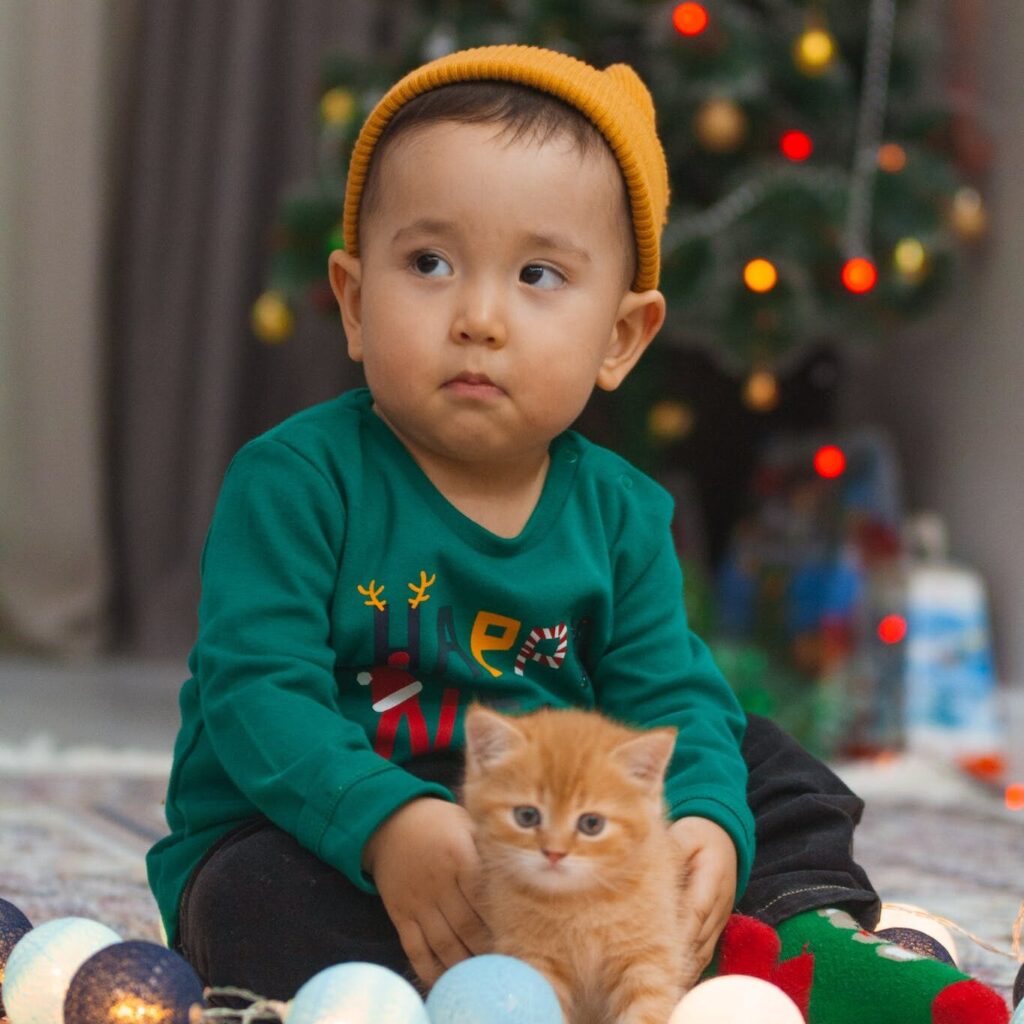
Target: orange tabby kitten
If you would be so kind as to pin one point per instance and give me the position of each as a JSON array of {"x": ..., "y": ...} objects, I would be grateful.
[{"x": 580, "y": 876}]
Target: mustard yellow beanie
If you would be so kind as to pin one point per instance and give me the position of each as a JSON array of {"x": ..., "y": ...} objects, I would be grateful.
[{"x": 615, "y": 100}]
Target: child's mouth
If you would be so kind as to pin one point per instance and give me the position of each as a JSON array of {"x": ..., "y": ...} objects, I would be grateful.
[{"x": 473, "y": 385}]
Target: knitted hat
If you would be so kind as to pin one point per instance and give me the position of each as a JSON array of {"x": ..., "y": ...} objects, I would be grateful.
[{"x": 615, "y": 100}]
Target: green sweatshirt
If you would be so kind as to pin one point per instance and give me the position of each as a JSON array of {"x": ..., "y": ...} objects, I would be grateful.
[{"x": 350, "y": 614}]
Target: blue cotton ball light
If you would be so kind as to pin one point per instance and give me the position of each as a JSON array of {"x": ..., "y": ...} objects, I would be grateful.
[
  {"x": 493, "y": 989},
  {"x": 134, "y": 981},
  {"x": 42, "y": 964},
  {"x": 13, "y": 925},
  {"x": 1018, "y": 1015},
  {"x": 357, "y": 993}
]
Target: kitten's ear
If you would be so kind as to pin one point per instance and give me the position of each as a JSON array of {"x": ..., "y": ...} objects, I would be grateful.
[
  {"x": 490, "y": 737},
  {"x": 646, "y": 757}
]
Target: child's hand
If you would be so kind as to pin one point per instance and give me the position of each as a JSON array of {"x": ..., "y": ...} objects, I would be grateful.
[
  {"x": 709, "y": 857},
  {"x": 426, "y": 868}
]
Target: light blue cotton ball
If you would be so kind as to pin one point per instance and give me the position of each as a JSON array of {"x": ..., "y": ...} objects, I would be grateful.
[
  {"x": 493, "y": 989},
  {"x": 1018, "y": 1015},
  {"x": 357, "y": 993}
]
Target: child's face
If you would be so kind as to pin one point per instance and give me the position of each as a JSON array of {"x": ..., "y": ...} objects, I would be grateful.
[{"x": 496, "y": 259}]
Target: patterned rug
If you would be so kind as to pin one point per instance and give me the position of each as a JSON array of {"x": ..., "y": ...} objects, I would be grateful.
[{"x": 75, "y": 832}]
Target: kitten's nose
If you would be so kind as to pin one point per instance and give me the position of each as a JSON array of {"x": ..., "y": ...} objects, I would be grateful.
[{"x": 553, "y": 855}]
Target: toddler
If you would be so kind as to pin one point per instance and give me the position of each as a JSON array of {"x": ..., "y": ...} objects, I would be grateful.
[{"x": 377, "y": 562}]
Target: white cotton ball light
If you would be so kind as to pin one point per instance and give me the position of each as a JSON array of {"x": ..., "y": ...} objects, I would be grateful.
[
  {"x": 42, "y": 964},
  {"x": 357, "y": 993},
  {"x": 903, "y": 916},
  {"x": 736, "y": 999}
]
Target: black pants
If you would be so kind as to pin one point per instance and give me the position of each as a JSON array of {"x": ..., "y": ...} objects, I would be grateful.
[{"x": 261, "y": 912}]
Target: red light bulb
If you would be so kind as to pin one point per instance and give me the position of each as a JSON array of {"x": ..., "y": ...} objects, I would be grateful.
[
  {"x": 892, "y": 629},
  {"x": 859, "y": 275},
  {"x": 690, "y": 19},
  {"x": 796, "y": 145},
  {"x": 829, "y": 462}
]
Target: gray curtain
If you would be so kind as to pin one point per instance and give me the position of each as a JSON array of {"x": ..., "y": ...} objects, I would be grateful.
[{"x": 221, "y": 119}]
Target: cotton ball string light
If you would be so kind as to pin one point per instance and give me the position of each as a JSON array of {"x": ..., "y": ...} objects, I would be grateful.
[
  {"x": 357, "y": 993},
  {"x": 13, "y": 925},
  {"x": 736, "y": 997},
  {"x": 493, "y": 989},
  {"x": 733, "y": 998},
  {"x": 903, "y": 917},
  {"x": 134, "y": 981},
  {"x": 42, "y": 964}
]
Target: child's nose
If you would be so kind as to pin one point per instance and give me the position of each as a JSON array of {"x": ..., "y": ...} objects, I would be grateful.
[{"x": 480, "y": 320}]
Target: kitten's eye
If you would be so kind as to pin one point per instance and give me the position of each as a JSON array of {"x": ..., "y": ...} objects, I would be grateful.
[
  {"x": 533, "y": 273},
  {"x": 591, "y": 824},
  {"x": 527, "y": 817},
  {"x": 426, "y": 263}
]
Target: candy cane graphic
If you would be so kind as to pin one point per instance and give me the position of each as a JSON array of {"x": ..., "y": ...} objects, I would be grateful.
[{"x": 528, "y": 651}]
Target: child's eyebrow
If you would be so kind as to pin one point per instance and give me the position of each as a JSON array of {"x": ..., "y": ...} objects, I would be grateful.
[
  {"x": 430, "y": 225},
  {"x": 427, "y": 225}
]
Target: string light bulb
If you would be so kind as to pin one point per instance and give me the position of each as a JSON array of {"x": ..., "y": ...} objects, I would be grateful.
[
  {"x": 830, "y": 462},
  {"x": 892, "y": 629},
  {"x": 814, "y": 51},
  {"x": 892, "y": 157},
  {"x": 910, "y": 259},
  {"x": 271, "y": 318},
  {"x": 690, "y": 19},
  {"x": 669, "y": 420},
  {"x": 720, "y": 124},
  {"x": 796, "y": 146},
  {"x": 859, "y": 275},
  {"x": 968, "y": 215},
  {"x": 337, "y": 106},
  {"x": 760, "y": 275},
  {"x": 761, "y": 391}
]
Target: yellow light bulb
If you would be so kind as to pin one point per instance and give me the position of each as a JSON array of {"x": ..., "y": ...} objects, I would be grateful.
[
  {"x": 669, "y": 420},
  {"x": 271, "y": 319},
  {"x": 337, "y": 106},
  {"x": 814, "y": 51},
  {"x": 761, "y": 392},
  {"x": 760, "y": 275},
  {"x": 910, "y": 258}
]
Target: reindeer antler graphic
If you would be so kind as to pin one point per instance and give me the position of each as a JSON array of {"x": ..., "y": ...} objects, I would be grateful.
[
  {"x": 421, "y": 590},
  {"x": 373, "y": 592}
]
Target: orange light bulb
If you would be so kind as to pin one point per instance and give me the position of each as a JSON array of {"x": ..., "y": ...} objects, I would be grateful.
[{"x": 690, "y": 19}]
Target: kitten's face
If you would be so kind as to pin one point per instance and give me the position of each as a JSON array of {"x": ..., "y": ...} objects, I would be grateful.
[{"x": 562, "y": 800}]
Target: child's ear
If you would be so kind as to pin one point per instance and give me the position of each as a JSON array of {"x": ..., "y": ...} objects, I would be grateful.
[
  {"x": 346, "y": 274},
  {"x": 637, "y": 320}
]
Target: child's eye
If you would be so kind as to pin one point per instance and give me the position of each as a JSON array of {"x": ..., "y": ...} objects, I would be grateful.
[
  {"x": 590, "y": 824},
  {"x": 427, "y": 262},
  {"x": 526, "y": 817},
  {"x": 532, "y": 274}
]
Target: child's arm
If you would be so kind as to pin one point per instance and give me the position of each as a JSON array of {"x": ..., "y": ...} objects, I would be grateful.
[
  {"x": 652, "y": 670},
  {"x": 264, "y": 662},
  {"x": 427, "y": 870}
]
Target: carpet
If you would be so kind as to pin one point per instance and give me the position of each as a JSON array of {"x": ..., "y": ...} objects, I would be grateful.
[{"x": 77, "y": 824}]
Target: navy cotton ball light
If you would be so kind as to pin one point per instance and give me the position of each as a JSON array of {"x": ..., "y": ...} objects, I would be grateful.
[
  {"x": 136, "y": 981},
  {"x": 13, "y": 925}
]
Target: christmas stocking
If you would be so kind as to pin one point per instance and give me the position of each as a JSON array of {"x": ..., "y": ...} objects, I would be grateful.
[{"x": 837, "y": 973}]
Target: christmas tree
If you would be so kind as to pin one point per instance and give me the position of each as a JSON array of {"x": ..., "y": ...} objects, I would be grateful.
[{"x": 815, "y": 194}]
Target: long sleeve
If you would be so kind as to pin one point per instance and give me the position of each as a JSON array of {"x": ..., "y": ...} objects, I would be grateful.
[
  {"x": 265, "y": 663},
  {"x": 655, "y": 672}
]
